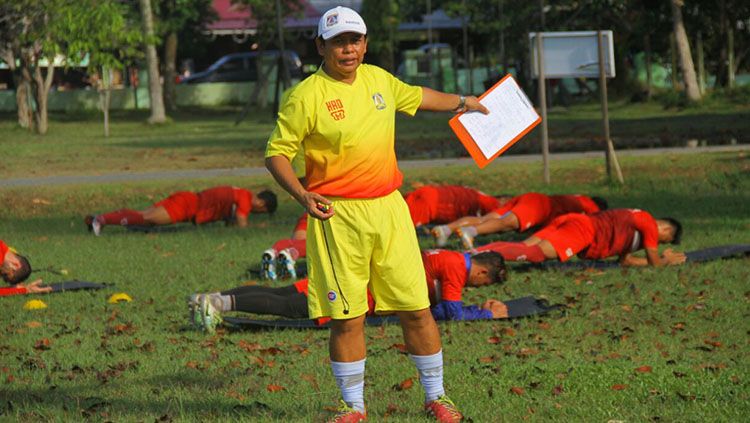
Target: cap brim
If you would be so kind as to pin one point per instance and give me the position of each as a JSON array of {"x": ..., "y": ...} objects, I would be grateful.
[{"x": 334, "y": 32}]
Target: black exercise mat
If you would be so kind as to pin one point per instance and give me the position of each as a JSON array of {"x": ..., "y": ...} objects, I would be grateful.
[
  {"x": 517, "y": 308},
  {"x": 156, "y": 228},
  {"x": 75, "y": 285},
  {"x": 697, "y": 256},
  {"x": 529, "y": 306}
]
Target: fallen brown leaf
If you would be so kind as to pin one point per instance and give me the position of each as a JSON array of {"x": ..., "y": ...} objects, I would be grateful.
[
  {"x": 517, "y": 390},
  {"x": 493, "y": 340},
  {"x": 42, "y": 344},
  {"x": 274, "y": 388},
  {"x": 404, "y": 385},
  {"x": 643, "y": 369},
  {"x": 619, "y": 387}
]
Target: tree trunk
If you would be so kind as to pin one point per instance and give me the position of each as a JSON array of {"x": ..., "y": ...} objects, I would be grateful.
[
  {"x": 25, "y": 86},
  {"x": 158, "y": 114},
  {"x": 41, "y": 86},
  {"x": 721, "y": 71},
  {"x": 105, "y": 97},
  {"x": 683, "y": 50},
  {"x": 647, "y": 60},
  {"x": 170, "y": 71}
]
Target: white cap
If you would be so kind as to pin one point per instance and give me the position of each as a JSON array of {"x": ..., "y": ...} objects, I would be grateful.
[{"x": 339, "y": 20}]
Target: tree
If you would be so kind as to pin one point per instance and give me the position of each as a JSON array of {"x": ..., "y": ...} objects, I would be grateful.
[
  {"x": 37, "y": 31},
  {"x": 683, "y": 49},
  {"x": 264, "y": 14},
  {"x": 179, "y": 21},
  {"x": 111, "y": 42},
  {"x": 382, "y": 18},
  {"x": 158, "y": 114}
]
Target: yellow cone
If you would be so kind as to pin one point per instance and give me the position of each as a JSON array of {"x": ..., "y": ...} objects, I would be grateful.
[
  {"x": 34, "y": 305},
  {"x": 119, "y": 297}
]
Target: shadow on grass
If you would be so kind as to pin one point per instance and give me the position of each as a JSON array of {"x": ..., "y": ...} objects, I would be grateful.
[{"x": 76, "y": 403}]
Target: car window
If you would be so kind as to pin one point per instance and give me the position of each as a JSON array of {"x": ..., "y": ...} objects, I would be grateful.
[{"x": 231, "y": 66}]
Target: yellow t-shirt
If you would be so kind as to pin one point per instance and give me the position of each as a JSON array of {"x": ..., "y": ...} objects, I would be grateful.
[{"x": 347, "y": 131}]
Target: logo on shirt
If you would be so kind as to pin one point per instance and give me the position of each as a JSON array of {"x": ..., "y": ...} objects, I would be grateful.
[
  {"x": 568, "y": 252},
  {"x": 379, "y": 101},
  {"x": 332, "y": 20},
  {"x": 331, "y": 296},
  {"x": 336, "y": 108}
]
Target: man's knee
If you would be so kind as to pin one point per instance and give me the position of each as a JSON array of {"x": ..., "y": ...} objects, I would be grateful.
[
  {"x": 348, "y": 327},
  {"x": 416, "y": 318}
]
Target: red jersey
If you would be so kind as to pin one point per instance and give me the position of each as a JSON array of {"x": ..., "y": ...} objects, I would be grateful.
[
  {"x": 446, "y": 203},
  {"x": 563, "y": 204},
  {"x": 621, "y": 231},
  {"x": 221, "y": 203},
  {"x": 12, "y": 290},
  {"x": 447, "y": 273},
  {"x": 3, "y": 251}
]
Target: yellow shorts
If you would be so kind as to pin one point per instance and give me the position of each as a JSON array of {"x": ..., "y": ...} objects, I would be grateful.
[{"x": 367, "y": 243}]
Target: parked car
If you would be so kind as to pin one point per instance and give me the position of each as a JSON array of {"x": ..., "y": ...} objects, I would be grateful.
[{"x": 241, "y": 67}]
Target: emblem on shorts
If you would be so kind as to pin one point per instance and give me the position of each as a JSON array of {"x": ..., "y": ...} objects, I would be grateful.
[
  {"x": 331, "y": 296},
  {"x": 379, "y": 101},
  {"x": 568, "y": 252},
  {"x": 332, "y": 19}
]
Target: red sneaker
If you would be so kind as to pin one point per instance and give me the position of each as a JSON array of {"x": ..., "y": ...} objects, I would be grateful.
[
  {"x": 444, "y": 410},
  {"x": 346, "y": 414}
]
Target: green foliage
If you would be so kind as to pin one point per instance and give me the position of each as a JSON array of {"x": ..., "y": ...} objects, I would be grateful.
[{"x": 382, "y": 18}]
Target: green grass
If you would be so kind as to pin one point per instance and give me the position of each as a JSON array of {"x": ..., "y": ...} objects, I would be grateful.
[
  {"x": 208, "y": 138},
  {"x": 139, "y": 361}
]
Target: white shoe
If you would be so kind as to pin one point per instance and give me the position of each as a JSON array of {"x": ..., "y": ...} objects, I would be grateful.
[
  {"x": 96, "y": 227},
  {"x": 466, "y": 239},
  {"x": 286, "y": 264},
  {"x": 194, "y": 306},
  {"x": 441, "y": 237},
  {"x": 268, "y": 265},
  {"x": 210, "y": 315}
]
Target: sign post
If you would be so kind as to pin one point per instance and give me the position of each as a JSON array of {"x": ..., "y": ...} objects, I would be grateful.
[{"x": 576, "y": 54}]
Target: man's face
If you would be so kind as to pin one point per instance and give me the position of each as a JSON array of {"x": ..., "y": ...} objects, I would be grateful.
[
  {"x": 10, "y": 265},
  {"x": 666, "y": 231},
  {"x": 343, "y": 54},
  {"x": 478, "y": 276}
]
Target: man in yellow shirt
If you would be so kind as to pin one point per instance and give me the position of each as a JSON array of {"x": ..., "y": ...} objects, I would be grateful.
[{"x": 344, "y": 118}]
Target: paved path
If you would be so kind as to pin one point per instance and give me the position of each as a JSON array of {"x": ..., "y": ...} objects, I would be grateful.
[{"x": 404, "y": 164}]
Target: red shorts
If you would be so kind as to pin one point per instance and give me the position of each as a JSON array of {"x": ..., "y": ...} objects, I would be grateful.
[
  {"x": 420, "y": 203},
  {"x": 301, "y": 224},
  {"x": 569, "y": 234},
  {"x": 487, "y": 203},
  {"x": 181, "y": 206},
  {"x": 531, "y": 209},
  {"x": 301, "y": 286}
]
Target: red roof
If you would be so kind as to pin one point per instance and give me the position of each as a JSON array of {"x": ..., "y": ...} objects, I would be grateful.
[{"x": 238, "y": 17}]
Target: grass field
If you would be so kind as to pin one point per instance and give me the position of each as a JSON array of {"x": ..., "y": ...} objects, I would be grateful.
[
  {"x": 633, "y": 345},
  {"x": 207, "y": 138}
]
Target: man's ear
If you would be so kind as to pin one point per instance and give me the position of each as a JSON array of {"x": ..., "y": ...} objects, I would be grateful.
[{"x": 319, "y": 43}]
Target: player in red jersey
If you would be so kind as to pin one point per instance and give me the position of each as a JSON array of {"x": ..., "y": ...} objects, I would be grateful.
[
  {"x": 227, "y": 203},
  {"x": 282, "y": 256},
  {"x": 446, "y": 203},
  {"x": 29, "y": 288},
  {"x": 447, "y": 273},
  {"x": 15, "y": 268},
  {"x": 618, "y": 232},
  {"x": 520, "y": 213}
]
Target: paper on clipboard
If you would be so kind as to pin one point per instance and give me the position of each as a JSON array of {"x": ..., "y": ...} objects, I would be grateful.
[{"x": 511, "y": 117}]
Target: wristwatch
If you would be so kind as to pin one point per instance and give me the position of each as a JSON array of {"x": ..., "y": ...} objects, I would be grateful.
[{"x": 461, "y": 103}]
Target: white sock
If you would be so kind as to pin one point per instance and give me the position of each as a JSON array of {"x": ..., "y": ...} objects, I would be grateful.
[
  {"x": 443, "y": 229},
  {"x": 221, "y": 302},
  {"x": 469, "y": 230},
  {"x": 430, "y": 374},
  {"x": 350, "y": 377}
]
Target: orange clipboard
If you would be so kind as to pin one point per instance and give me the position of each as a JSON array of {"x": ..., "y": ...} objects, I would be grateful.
[{"x": 469, "y": 143}]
